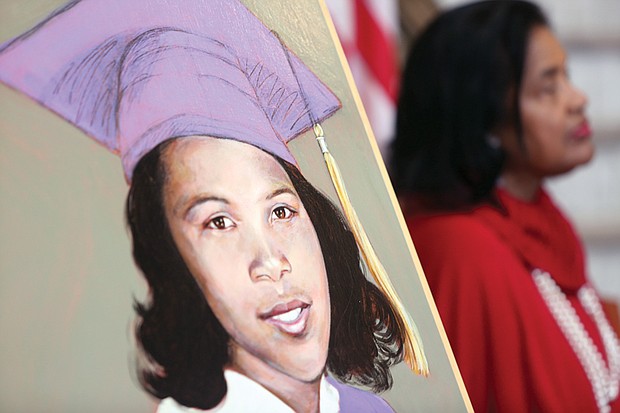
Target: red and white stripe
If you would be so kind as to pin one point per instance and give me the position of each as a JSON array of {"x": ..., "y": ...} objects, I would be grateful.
[{"x": 368, "y": 31}]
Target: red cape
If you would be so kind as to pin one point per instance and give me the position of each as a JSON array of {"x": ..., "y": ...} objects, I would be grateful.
[{"x": 511, "y": 353}]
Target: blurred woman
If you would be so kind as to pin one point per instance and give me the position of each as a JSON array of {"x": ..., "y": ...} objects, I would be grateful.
[{"x": 487, "y": 112}]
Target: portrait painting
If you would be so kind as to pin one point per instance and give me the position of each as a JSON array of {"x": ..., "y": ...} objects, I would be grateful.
[{"x": 195, "y": 217}]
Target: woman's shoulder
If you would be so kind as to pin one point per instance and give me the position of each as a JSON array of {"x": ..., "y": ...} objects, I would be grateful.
[
  {"x": 462, "y": 248},
  {"x": 352, "y": 399},
  {"x": 459, "y": 231}
]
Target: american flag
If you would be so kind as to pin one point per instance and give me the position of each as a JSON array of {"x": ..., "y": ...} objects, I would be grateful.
[{"x": 368, "y": 31}]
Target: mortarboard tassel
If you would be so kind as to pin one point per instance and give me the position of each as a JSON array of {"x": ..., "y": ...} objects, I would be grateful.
[{"x": 414, "y": 350}]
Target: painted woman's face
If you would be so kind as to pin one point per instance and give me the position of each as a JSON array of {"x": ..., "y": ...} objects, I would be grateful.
[
  {"x": 556, "y": 132},
  {"x": 247, "y": 239}
]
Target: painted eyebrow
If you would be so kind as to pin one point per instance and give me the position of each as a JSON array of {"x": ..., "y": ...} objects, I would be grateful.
[
  {"x": 188, "y": 205},
  {"x": 279, "y": 191}
]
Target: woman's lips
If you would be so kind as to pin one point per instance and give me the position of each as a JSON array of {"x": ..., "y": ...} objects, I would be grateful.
[
  {"x": 290, "y": 317},
  {"x": 582, "y": 131}
]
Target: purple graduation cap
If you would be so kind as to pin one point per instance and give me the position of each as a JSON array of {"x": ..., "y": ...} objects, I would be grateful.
[{"x": 132, "y": 74}]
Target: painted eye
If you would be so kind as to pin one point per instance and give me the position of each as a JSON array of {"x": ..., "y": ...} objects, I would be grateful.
[
  {"x": 282, "y": 212},
  {"x": 220, "y": 223}
]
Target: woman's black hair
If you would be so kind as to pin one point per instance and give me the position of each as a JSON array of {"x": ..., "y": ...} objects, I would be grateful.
[
  {"x": 461, "y": 80},
  {"x": 186, "y": 347}
]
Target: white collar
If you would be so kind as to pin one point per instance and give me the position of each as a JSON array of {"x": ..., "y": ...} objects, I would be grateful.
[{"x": 244, "y": 395}]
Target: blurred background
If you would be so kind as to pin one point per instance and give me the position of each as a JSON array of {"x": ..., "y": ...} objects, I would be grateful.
[{"x": 376, "y": 35}]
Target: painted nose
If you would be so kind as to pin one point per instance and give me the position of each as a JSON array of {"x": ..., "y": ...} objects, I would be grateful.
[{"x": 269, "y": 262}]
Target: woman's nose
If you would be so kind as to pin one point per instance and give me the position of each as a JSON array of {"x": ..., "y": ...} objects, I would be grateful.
[
  {"x": 578, "y": 99},
  {"x": 270, "y": 261}
]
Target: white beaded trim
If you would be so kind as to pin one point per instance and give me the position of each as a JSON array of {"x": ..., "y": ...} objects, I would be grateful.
[{"x": 605, "y": 380}]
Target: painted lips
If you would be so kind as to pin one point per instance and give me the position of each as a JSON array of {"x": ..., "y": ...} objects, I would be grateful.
[{"x": 290, "y": 318}]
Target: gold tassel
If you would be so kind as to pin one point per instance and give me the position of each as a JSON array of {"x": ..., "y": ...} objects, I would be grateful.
[{"x": 414, "y": 351}]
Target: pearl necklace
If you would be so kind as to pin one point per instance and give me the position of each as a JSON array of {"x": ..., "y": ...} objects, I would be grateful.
[{"x": 605, "y": 379}]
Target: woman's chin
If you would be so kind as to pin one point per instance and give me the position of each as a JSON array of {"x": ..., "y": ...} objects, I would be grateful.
[
  {"x": 583, "y": 153},
  {"x": 307, "y": 371}
]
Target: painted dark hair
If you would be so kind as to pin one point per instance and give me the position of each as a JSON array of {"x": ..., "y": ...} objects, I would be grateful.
[
  {"x": 186, "y": 347},
  {"x": 461, "y": 80}
]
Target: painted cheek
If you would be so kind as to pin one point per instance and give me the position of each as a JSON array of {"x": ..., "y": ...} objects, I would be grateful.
[
  {"x": 215, "y": 261},
  {"x": 310, "y": 246},
  {"x": 227, "y": 295}
]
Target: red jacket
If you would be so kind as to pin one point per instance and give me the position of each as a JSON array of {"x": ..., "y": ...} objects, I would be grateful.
[{"x": 511, "y": 352}]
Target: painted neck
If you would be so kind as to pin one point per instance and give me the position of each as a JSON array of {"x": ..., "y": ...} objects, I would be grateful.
[{"x": 301, "y": 396}]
